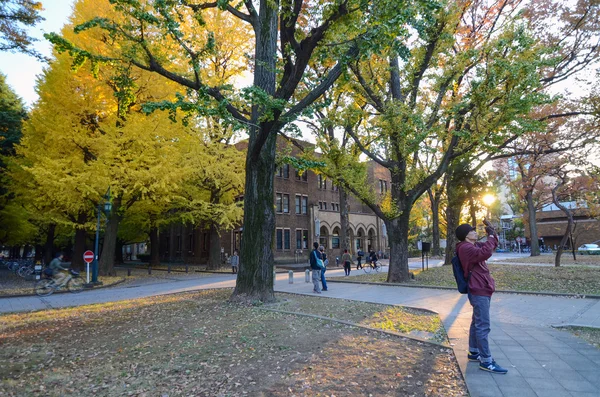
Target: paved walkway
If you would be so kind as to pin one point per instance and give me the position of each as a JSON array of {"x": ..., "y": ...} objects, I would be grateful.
[{"x": 542, "y": 361}]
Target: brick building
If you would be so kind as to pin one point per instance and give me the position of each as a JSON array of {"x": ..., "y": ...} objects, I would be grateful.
[
  {"x": 552, "y": 223},
  {"x": 307, "y": 209}
]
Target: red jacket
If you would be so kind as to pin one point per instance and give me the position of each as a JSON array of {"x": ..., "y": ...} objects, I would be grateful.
[{"x": 474, "y": 256}]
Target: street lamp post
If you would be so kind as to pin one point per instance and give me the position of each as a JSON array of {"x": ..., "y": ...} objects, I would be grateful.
[{"x": 107, "y": 208}]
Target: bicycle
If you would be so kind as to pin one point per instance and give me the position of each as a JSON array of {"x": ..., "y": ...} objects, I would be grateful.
[
  {"x": 368, "y": 266},
  {"x": 72, "y": 282}
]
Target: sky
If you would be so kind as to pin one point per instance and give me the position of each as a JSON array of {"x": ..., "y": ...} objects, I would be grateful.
[{"x": 20, "y": 69}]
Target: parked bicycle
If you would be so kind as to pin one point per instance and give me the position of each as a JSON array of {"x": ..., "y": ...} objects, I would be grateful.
[
  {"x": 367, "y": 267},
  {"x": 47, "y": 286}
]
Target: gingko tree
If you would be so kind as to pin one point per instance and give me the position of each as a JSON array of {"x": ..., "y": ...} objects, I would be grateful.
[
  {"x": 287, "y": 39},
  {"x": 469, "y": 81}
]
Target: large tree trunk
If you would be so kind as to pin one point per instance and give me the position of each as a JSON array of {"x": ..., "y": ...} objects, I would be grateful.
[
  {"x": 397, "y": 230},
  {"x": 344, "y": 222},
  {"x": 214, "y": 255},
  {"x": 255, "y": 275},
  {"x": 79, "y": 248},
  {"x": 80, "y": 241},
  {"x": 107, "y": 258},
  {"x": 568, "y": 231},
  {"x": 49, "y": 246},
  {"x": 531, "y": 212},
  {"x": 154, "y": 247},
  {"x": 119, "y": 252},
  {"x": 456, "y": 199},
  {"x": 39, "y": 253},
  {"x": 435, "y": 220}
]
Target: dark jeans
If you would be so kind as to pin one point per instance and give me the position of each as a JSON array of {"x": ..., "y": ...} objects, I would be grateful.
[
  {"x": 323, "y": 281},
  {"x": 358, "y": 260},
  {"x": 347, "y": 268},
  {"x": 480, "y": 327}
]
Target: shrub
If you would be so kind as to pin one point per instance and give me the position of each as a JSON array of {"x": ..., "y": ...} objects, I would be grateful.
[{"x": 143, "y": 257}]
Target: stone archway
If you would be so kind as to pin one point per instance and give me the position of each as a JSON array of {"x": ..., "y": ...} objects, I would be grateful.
[
  {"x": 324, "y": 237},
  {"x": 372, "y": 243},
  {"x": 358, "y": 242}
]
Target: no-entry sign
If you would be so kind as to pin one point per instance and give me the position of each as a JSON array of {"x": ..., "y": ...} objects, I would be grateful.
[{"x": 88, "y": 256}]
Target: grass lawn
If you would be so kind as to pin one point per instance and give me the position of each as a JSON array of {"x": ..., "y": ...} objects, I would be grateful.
[
  {"x": 583, "y": 280},
  {"x": 565, "y": 259},
  {"x": 591, "y": 335},
  {"x": 199, "y": 344}
]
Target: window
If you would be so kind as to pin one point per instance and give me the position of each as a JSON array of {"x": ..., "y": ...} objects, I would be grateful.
[
  {"x": 278, "y": 202},
  {"x": 320, "y": 205},
  {"x": 304, "y": 204},
  {"x": 382, "y": 186},
  {"x": 279, "y": 234},
  {"x": 323, "y": 241},
  {"x": 334, "y": 207},
  {"x": 191, "y": 241},
  {"x": 303, "y": 177},
  {"x": 325, "y": 206},
  {"x": 298, "y": 205},
  {"x": 286, "y": 239},
  {"x": 286, "y": 203},
  {"x": 283, "y": 171},
  {"x": 304, "y": 239},
  {"x": 322, "y": 182},
  {"x": 335, "y": 242},
  {"x": 298, "y": 239}
]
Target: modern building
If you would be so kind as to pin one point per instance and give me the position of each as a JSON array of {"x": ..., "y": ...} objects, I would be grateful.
[{"x": 307, "y": 208}]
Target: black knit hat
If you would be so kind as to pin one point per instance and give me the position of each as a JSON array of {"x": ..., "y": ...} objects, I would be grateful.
[{"x": 463, "y": 230}]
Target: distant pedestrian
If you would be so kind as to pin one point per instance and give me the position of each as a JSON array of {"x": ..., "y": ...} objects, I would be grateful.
[
  {"x": 473, "y": 256},
  {"x": 235, "y": 261},
  {"x": 315, "y": 257},
  {"x": 359, "y": 256},
  {"x": 325, "y": 262},
  {"x": 347, "y": 261}
]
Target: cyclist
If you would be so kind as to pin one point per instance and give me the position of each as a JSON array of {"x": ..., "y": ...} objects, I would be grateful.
[
  {"x": 373, "y": 259},
  {"x": 57, "y": 267}
]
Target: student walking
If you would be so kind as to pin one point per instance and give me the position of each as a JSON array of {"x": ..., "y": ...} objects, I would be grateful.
[
  {"x": 347, "y": 261},
  {"x": 325, "y": 262},
  {"x": 315, "y": 257},
  {"x": 473, "y": 256}
]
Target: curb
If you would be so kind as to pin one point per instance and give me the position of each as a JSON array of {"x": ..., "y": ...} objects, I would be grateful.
[
  {"x": 64, "y": 292},
  {"x": 571, "y": 325},
  {"x": 557, "y": 294}
]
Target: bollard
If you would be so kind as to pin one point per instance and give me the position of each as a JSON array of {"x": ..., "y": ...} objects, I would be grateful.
[
  {"x": 274, "y": 276},
  {"x": 149, "y": 269},
  {"x": 186, "y": 268},
  {"x": 291, "y": 277},
  {"x": 128, "y": 272},
  {"x": 307, "y": 276},
  {"x": 169, "y": 268}
]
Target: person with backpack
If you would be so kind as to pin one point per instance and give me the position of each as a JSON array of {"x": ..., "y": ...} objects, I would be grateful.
[
  {"x": 347, "y": 260},
  {"x": 325, "y": 262},
  {"x": 316, "y": 265},
  {"x": 481, "y": 285}
]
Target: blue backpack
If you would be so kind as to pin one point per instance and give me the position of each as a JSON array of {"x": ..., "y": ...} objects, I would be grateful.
[{"x": 462, "y": 283}]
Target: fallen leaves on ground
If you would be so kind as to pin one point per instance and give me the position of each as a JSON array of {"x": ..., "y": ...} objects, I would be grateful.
[{"x": 200, "y": 344}]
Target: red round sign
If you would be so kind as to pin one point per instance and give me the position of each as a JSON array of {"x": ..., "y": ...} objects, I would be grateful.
[{"x": 88, "y": 256}]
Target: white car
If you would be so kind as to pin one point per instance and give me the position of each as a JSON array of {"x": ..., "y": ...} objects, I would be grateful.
[{"x": 592, "y": 249}]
